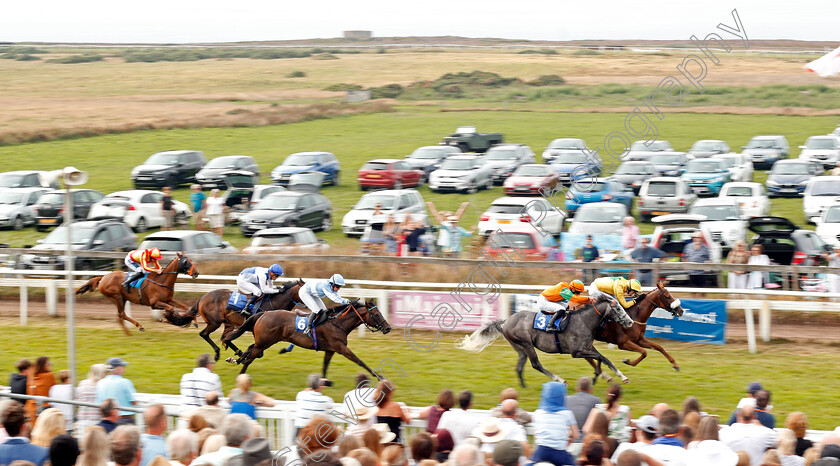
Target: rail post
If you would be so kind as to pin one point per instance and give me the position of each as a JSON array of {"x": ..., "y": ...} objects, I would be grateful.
[
  {"x": 51, "y": 294},
  {"x": 24, "y": 301}
]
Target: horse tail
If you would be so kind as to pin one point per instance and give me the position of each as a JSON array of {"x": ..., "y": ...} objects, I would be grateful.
[
  {"x": 91, "y": 285},
  {"x": 482, "y": 338},
  {"x": 193, "y": 311},
  {"x": 179, "y": 319}
]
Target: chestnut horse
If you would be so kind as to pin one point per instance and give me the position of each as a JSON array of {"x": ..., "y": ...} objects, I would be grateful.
[
  {"x": 156, "y": 291},
  {"x": 274, "y": 326},
  {"x": 212, "y": 308}
]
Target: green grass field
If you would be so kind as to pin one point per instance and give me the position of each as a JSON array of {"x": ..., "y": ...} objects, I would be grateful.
[{"x": 799, "y": 376}]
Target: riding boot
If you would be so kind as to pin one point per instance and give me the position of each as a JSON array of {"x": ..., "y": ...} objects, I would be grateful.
[
  {"x": 557, "y": 315},
  {"x": 310, "y": 325},
  {"x": 129, "y": 279},
  {"x": 246, "y": 310}
]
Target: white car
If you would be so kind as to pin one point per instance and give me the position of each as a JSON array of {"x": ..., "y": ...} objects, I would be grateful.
[
  {"x": 139, "y": 209},
  {"x": 751, "y": 198},
  {"x": 822, "y": 149},
  {"x": 641, "y": 149},
  {"x": 466, "y": 173},
  {"x": 739, "y": 165},
  {"x": 599, "y": 218},
  {"x": 285, "y": 240},
  {"x": 399, "y": 202},
  {"x": 821, "y": 193},
  {"x": 828, "y": 226},
  {"x": 516, "y": 211},
  {"x": 723, "y": 220},
  {"x": 708, "y": 148},
  {"x": 564, "y": 146}
]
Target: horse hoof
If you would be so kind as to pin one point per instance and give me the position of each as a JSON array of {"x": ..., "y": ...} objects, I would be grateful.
[
  {"x": 231, "y": 360},
  {"x": 677, "y": 368},
  {"x": 195, "y": 325},
  {"x": 141, "y": 329},
  {"x": 625, "y": 380},
  {"x": 626, "y": 361},
  {"x": 216, "y": 358}
]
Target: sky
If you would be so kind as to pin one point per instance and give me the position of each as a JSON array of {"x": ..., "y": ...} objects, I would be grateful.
[{"x": 183, "y": 21}]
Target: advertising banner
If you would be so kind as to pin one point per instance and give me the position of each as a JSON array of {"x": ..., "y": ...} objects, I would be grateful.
[{"x": 420, "y": 306}]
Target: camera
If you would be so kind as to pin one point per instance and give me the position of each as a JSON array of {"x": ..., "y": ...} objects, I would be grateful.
[{"x": 326, "y": 383}]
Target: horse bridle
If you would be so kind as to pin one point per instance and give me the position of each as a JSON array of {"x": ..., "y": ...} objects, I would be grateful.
[
  {"x": 374, "y": 329},
  {"x": 675, "y": 303},
  {"x": 181, "y": 260}
]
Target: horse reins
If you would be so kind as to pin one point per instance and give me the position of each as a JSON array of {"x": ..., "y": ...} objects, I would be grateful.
[{"x": 350, "y": 306}]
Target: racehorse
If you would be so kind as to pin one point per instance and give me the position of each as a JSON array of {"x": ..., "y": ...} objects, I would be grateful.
[
  {"x": 633, "y": 337},
  {"x": 156, "y": 291},
  {"x": 212, "y": 308},
  {"x": 331, "y": 336},
  {"x": 576, "y": 340}
]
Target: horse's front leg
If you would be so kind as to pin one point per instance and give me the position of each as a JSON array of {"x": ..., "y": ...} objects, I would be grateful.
[
  {"x": 591, "y": 352},
  {"x": 649, "y": 344},
  {"x": 327, "y": 356},
  {"x": 632, "y": 346},
  {"x": 598, "y": 372},
  {"x": 345, "y": 351}
]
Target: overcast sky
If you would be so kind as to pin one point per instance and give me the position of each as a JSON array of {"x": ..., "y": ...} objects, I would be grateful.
[{"x": 165, "y": 21}]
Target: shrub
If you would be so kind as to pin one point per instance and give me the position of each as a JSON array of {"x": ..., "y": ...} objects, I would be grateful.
[
  {"x": 22, "y": 50},
  {"x": 27, "y": 57},
  {"x": 388, "y": 91},
  {"x": 614, "y": 89},
  {"x": 296, "y": 74},
  {"x": 325, "y": 56},
  {"x": 586, "y": 52},
  {"x": 84, "y": 58},
  {"x": 548, "y": 80},
  {"x": 342, "y": 87},
  {"x": 538, "y": 51}
]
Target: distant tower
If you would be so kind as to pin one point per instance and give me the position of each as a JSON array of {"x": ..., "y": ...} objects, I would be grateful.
[{"x": 358, "y": 35}]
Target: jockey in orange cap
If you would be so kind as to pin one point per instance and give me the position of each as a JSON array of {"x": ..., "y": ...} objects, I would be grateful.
[
  {"x": 140, "y": 261},
  {"x": 554, "y": 300}
]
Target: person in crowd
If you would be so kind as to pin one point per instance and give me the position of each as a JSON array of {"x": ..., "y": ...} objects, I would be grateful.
[
  {"x": 697, "y": 252},
  {"x": 196, "y": 422},
  {"x": 321, "y": 458},
  {"x": 204, "y": 434},
  {"x": 444, "y": 445},
  {"x": 690, "y": 405},
  {"x": 373, "y": 441},
  {"x": 182, "y": 445},
  {"x": 125, "y": 446},
  {"x": 466, "y": 455},
  {"x": 647, "y": 254},
  {"x": 554, "y": 426},
  {"x": 390, "y": 412},
  {"x": 64, "y": 450},
  {"x": 589, "y": 253},
  {"x": 237, "y": 429},
  {"x": 211, "y": 412},
  {"x": 507, "y": 421},
  {"x": 749, "y": 400},
  {"x": 787, "y": 450},
  {"x": 833, "y": 260},
  {"x": 797, "y": 422},
  {"x": 319, "y": 434},
  {"x": 458, "y": 422},
  {"x": 644, "y": 433},
  {"x": 390, "y": 232},
  {"x": 412, "y": 232},
  {"x": 582, "y": 402},
  {"x": 198, "y": 206},
  {"x": 364, "y": 456},
  {"x": 594, "y": 453},
  {"x": 349, "y": 443},
  {"x": 508, "y": 453},
  {"x": 152, "y": 440},
  {"x": 17, "y": 381},
  {"x": 311, "y": 401},
  {"x": 64, "y": 391},
  {"x": 115, "y": 386},
  {"x": 456, "y": 234},
  {"x": 243, "y": 400},
  {"x": 432, "y": 414},
  {"x": 216, "y": 212},
  {"x": 362, "y": 395},
  {"x": 196, "y": 384},
  {"x": 669, "y": 447},
  {"x": 166, "y": 209},
  {"x": 836, "y": 170},
  {"x": 422, "y": 447},
  {"x": 95, "y": 447},
  {"x": 749, "y": 436},
  {"x": 17, "y": 446},
  {"x": 212, "y": 444},
  {"x": 707, "y": 447},
  {"x": 86, "y": 392},
  {"x": 761, "y": 414},
  {"x": 39, "y": 382},
  {"x": 254, "y": 452},
  {"x": 617, "y": 413},
  {"x": 757, "y": 257},
  {"x": 109, "y": 415},
  {"x": 139, "y": 262},
  {"x": 522, "y": 417},
  {"x": 48, "y": 425},
  {"x": 658, "y": 409},
  {"x": 629, "y": 234},
  {"x": 4, "y": 403},
  {"x": 740, "y": 256}
]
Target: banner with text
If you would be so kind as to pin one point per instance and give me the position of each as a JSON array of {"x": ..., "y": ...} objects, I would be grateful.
[
  {"x": 417, "y": 309},
  {"x": 704, "y": 321}
]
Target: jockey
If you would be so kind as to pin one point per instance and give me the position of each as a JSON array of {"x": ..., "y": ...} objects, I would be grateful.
[
  {"x": 555, "y": 300},
  {"x": 616, "y": 288},
  {"x": 312, "y": 292},
  {"x": 257, "y": 281},
  {"x": 139, "y": 262}
]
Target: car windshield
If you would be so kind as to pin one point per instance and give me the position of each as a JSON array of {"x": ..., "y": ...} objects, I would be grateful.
[
  {"x": 532, "y": 170},
  {"x": 790, "y": 169},
  {"x": 655, "y": 146},
  {"x": 509, "y": 240},
  {"x": 370, "y": 201},
  {"x": 825, "y": 188},
  {"x": 832, "y": 215},
  {"x": 739, "y": 191},
  {"x": 666, "y": 159},
  {"x": 426, "y": 153},
  {"x": 164, "y": 244},
  {"x": 51, "y": 198},
  {"x": 506, "y": 209},
  {"x": 10, "y": 181},
  {"x": 457, "y": 164},
  {"x": 162, "y": 159},
  {"x": 566, "y": 144},
  {"x": 632, "y": 169},
  {"x": 703, "y": 166},
  {"x": 273, "y": 240},
  {"x": 761, "y": 143},
  {"x": 821, "y": 143},
  {"x": 570, "y": 158},
  {"x": 728, "y": 161},
  {"x": 662, "y": 189},
  {"x": 374, "y": 166},
  {"x": 301, "y": 159},
  {"x": 278, "y": 203},
  {"x": 706, "y": 145},
  {"x": 222, "y": 162},
  {"x": 79, "y": 235},
  {"x": 589, "y": 187},
  {"x": 500, "y": 154},
  {"x": 11, "y": 198},
  {"x": 716, "y": 213},
  {"x": 600, "y": 214}
]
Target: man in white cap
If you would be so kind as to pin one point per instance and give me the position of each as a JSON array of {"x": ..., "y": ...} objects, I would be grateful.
[
  {"x": 645, "y": 431},
  {"x": 117, "y": 387}
]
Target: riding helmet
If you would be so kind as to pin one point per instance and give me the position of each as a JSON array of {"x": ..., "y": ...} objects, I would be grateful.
[
  {"x": 635, "y": 285},
  {"x": 154, "y": 253},
  {"x": 576, "y": 286},
  {"x": 276, "y": 269},
  {"x": 337, "y": 279}
]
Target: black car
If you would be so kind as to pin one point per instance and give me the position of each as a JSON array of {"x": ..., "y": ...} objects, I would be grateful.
[
  {"x": 786, "y": 244},
  {"x": 289, "y": 209},
  {"x": 171, "y": 168},
  {"x": 49, "y": 211},
  {"x": 213, "y": 174},
  {"x": 90, "y": 235}
]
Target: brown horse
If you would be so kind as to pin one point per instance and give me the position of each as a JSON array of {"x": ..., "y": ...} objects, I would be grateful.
[
  {"x": 157, "y": 292},
  {"x": 212, "y": 308},
  {"x": 633, "y": 337},
  {"x": 274, "y": 326}
]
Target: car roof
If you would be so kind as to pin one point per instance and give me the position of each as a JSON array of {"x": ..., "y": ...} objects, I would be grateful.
[
  {"x": 792, "y": 161},
  {"x": 391, "y": 192},
  {"x": 679, "y": 219},
  {"x": 232, "y": 157},
  {"x": 776, "y": 136},
  {"x": 73, "y": 190},
  {"x": 28, "y": 189},
  {"x": 462, "y": 157},
  {"x": 314, "y": 152},
  {"x": 95, "y": 223},
  {"x": 824, "y": 179},
  {"x": 288, "y": 193},
  {"x": 709, "y": 159},
  {"x": 177, "y": 234},
  {"x": 510, "y": 200},
  {"x": 709, "y": 140},
  {"x": 383, "y": 160},
  {"x": 573, "y": 139},
  {"x": 715, "y": 201},
  {"x": 637, "y": 162},
  {"x": 22, "y": 172},
  {"x": 660, "y": 179},
  {"x": 741, "y": 184},
  {"x": 281, "y": 231},
  {"x": 507, "y": 144},
  {"x": 132, "y": 192},
  {"x": 535, "y": 165},
  {"x": 176, "y": 152},
  {"x": 600, "y": 205},
  {"x": 823, "y": 136},
  {"x": 517, "y": 229}
]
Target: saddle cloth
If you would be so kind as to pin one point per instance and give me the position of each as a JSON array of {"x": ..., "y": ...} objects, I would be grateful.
[
  {"x": 139, "y": 283},
  {"x": 541, "y": 322},
  {"x": 237, "y": 301},
  {"x": 301, "y": 320}
]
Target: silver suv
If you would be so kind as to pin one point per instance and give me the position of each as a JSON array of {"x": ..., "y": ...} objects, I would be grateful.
[
  {"x": 504, "y": 159},
  {"x": 399, "y": 202},
  {"x": 664, "y": 195},
  {"x": 766, "y": 150}
]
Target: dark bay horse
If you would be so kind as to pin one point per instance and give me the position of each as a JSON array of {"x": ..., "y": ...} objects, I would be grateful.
[
  {"x": 274, "y": 326},
  {"x": 212, "y": 308},
  {"x": 576, "y": 340},
  {"x": 156, "y": 291}
]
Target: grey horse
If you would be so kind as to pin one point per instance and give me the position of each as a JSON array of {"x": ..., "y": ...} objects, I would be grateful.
[{"x": 576, "y": 340}]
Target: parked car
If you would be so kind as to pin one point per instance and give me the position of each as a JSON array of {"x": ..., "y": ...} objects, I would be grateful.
[
  {"x": 766, "y": 150},
  {"x": 750, "y": 197},
  {"x": 88, "y": 235},
  {"x": 25, "y": 179},
  {"x": 674, "y": 232},
  {"x": 599, "y": 218},
  {"x": 16, "y": 206},
  {"x": 49, "y": 210},
  {"x": 785, "y": 244},
  {"x": 289, "y": 209},
  {"x": 598, "y": 190},
  {"x": 170, "y": 168},
  {"x": 429, "y": 158},
  {"x": 389, "y": 174},
  {"x": 511, "y": 211},
  {"x": 633, "y": 173},
  {"x": 790, "y": 177},
  {"x": 468, "y": 139},
  {"x": 822, "y": 149},
  {"x": 670, "y": 164},
  {"x": 828, "y": 226},
  {"x": 466, "y": 173},
  {"x": 504, "y": 159},
  {"x": 139, "y": 209},
  {"x": 707, "y": 148},
  {"x": 324, "y": 162},
  {"x": 820, "y": 193},
  {"x": 576, "y": 166},
  {"x": 531, "y": 179},
  {"x": 527, "y": 240},
  {"x": 397, "y": 202},
  {"x": 836, "y": 131},
  {"x": 739, "y": 165},
  {"x": 563, "y": 146},
  {"x": 212, "y": 175},
  {"x": 646, "y": 148},
  {"x": 706, "y": 176},
  {"x": 188, "y": 241},
  {"x": 664, "y": 195},
  {"x": 723, "y": 219},
  {"x": 256, "y": 194},
  {"x": 285, "y": 240}
]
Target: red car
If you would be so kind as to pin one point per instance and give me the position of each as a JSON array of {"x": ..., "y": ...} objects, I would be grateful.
[
  {"x": 515, "y": 241},
  {"x": 388, "y": 173},
  {"x": 530, "y": 178}
]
